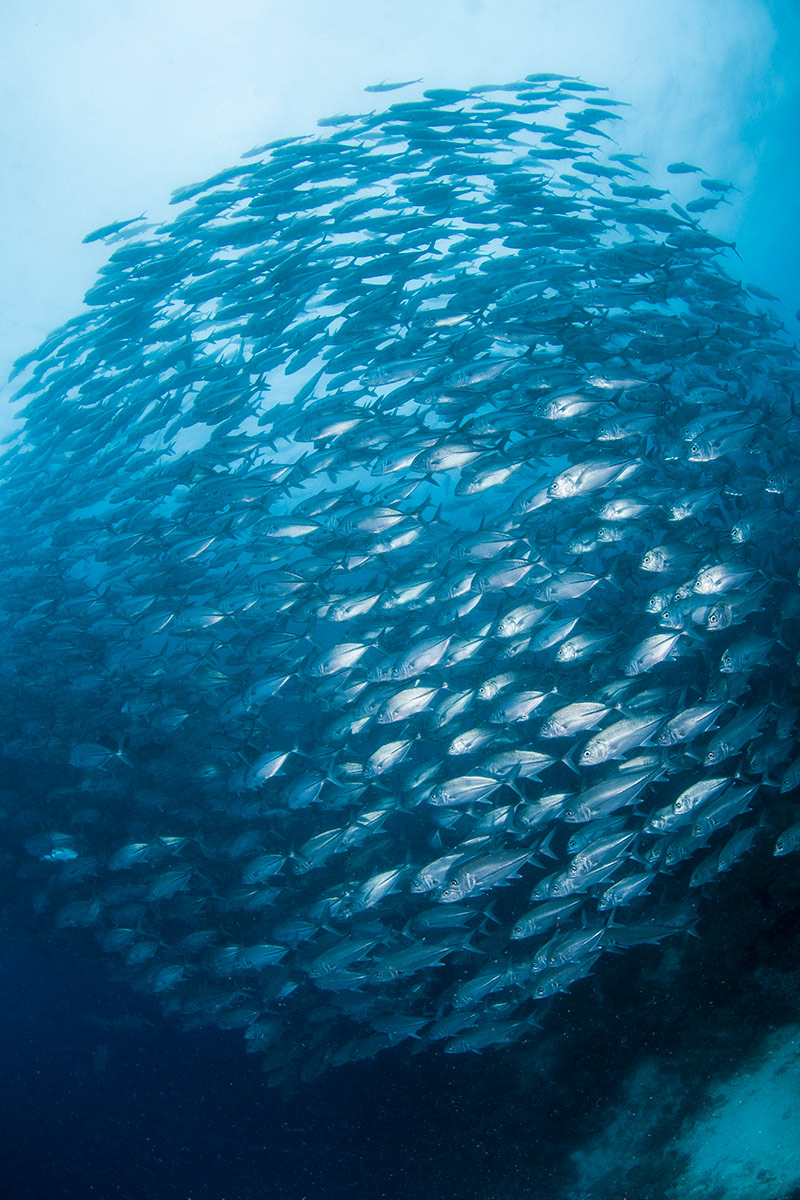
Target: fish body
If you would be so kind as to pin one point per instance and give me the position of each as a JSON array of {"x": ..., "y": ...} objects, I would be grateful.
[
  {"x": 573, "y": 718},
  {"x": 483, "y": 874},
  {"x": 464, "y": 789},
  {"x": 586, "y": 477},
  {"x": 616, "y": 739},
  {"x": 689, "y": 724}
]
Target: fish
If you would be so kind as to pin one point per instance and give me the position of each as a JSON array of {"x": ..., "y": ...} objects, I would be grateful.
[
  {"x": 564, "y": 722},
  {"x": 398, "y": 572},
  {"x": 390, "y": 87},
  {"x": 619, "y": 737},
  {"x": 483, "y": 874},
  {"x": 788, "y": 841}
]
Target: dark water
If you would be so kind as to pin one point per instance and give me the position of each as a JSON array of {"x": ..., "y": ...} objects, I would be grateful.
[{"x": 103, "y": 1096}]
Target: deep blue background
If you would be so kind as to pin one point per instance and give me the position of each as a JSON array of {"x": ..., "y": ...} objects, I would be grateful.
[{"x": 91, "y": 1110}]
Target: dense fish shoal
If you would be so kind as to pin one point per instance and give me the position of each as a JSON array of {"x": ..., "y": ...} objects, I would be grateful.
[{"x": 400, "y": 562}]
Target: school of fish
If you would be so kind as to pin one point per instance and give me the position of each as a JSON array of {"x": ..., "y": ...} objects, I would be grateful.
[{"x": 399, "y": 580}]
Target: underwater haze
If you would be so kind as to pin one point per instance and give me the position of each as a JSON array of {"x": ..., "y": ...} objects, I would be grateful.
[{"x": 401, "y": 693}]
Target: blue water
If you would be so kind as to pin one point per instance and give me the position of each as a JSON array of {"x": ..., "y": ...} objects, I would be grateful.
[
  {"x": 104, "y": 1095},
  {"x": 88, "y": 1108}
]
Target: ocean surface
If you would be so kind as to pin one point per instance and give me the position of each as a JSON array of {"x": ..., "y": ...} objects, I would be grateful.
[{"x": 302, "y": 505}]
